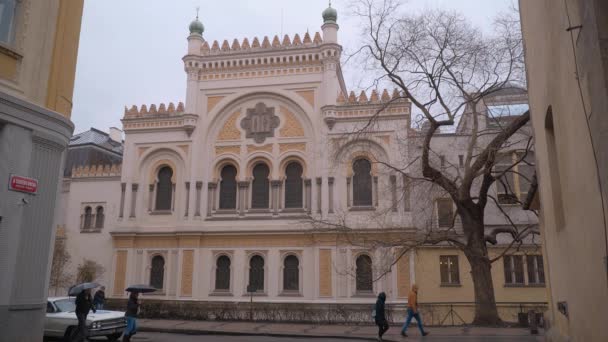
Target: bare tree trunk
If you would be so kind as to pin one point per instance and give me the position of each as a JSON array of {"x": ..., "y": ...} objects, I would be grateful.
[{"x": 476, "y": 252}]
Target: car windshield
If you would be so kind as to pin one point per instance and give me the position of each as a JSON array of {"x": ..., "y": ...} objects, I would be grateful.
[{"x": 66, "y": 305}]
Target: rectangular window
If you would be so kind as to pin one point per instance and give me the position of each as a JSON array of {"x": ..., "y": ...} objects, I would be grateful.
[
  {"x": 445, "y": 212},
  {"x": 442, "y": 160},
  {"x": 536, "y": 272},
  {"x": 7, "y": 20},
  {"x": 514, "y": 269},
  {"x": 460, "y": 160},
  {"x": 448, "y": 265},
  {"x": 512, "y": 187}
]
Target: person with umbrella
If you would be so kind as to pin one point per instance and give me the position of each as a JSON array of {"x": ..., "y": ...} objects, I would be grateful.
[
  {"x": 100, "y": 298},
  {"x": 133, "y": 308},
  {"x": 84, "y": 304}
]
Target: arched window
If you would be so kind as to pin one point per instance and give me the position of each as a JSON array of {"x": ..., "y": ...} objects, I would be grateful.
[
  {"x": 364, "y": 274},
  {"x": 164, "y": 190},
  {"x": 291, "y": 273},
  {"x": 256, "y": 273},
  {"x": 99, "y": 217},
  {"x": 293, "y": 185},
  {"x": 260, "y": 187},
  {"x": 362, "y": 183},
  {"x": 157, "y": 272},
  {"x": 88, "y": 217},
  {"x": 228, "y": 187},
  {"x": 222, "y": 273}
]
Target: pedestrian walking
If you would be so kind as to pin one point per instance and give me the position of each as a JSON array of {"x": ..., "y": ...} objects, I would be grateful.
[
  {"x": 83, "y": 305},
  {"x": 100, "y": 298},
  {"x": 412, "y": 312},
  {"x": 380, "y": 316},
  {"x": 131, "y": 315}
]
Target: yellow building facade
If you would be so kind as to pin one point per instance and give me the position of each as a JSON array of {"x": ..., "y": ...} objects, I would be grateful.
[
  {"x": 567, "y": 70},
  {"x": 38, "y": 50}
]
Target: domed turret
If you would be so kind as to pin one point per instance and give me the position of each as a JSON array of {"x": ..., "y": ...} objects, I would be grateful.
[
  {"x": 196, "y": 27},
  {"x": 330, "y": 15}
]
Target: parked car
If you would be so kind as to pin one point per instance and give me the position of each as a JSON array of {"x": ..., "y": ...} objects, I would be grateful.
[{"x": 61, "y": 320}]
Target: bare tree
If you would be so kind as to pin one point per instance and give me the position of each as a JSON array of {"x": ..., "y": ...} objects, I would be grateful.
[
  {"x": 60, "y": 275},
  {"x": 89, "y": 271},
  {"x": 447, "y": 69}
]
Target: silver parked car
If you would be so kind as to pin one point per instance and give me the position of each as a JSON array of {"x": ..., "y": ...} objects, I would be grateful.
[{"x": 61, "y": 320}]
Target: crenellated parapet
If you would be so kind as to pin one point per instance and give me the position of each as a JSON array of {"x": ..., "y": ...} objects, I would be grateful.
[
  {"x": 161, "y": 117},
  {"x": 260, "y": 57},
  {"x": 153, "y": 111},
  {"x": 260, "y": 45},
  {"x": 353, "y": 107},
  {"x": 96, "y": 171}
]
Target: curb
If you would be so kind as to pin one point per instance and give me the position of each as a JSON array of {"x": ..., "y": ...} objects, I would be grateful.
[{"x": 237, "y": 333}]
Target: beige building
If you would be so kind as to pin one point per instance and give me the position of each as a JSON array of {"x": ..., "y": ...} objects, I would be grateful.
[
  {"x": 567, "y": 65},
  {"x": 38, "y": 49},
  {"x": 217, "y": 194}
]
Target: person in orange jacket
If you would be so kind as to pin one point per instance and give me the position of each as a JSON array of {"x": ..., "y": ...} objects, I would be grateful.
[{"x": 412, "y": 311}]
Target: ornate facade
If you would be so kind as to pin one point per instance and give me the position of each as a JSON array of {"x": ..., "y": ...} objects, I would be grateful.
[{"x": 217, "y": 197}]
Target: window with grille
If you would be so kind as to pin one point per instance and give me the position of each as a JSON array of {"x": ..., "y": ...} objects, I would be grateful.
[
  {"x": 364, "y": 274},
  {"x": 445, "y": 212},
  {"x": 222, "y": 273},
  {"x": 99, "y": 217},
  {"x": 164, "y": 190},
  {"x": 536, "y": 272},
  {"x": 514, "y": 177},
  {"x": 362, "y": 183},
  {"x": 293, "y": 185},
  {"x": 88, "y": 217},
  {"x": 260, "y": 187},
  {"x": 228, "y": 188},
  {"x": 450, "y": 273},
  {"x": 514, "y": 269},
  {"x": 157, "y": 272},
  {"x": 291, "y": 273},
  {"x": 256, "y": 273}
]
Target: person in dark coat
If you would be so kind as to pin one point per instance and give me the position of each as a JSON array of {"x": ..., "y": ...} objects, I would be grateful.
[
  {"x": 100, "y": 298},
  {"x": 83, "y": 305},
  {"x": 131, "y": 315},
  {"x": 380, "y": 317}
]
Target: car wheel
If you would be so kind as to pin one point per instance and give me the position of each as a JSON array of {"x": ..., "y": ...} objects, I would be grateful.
[
  {"x": 68, "y": 334},
  {"x": 113, "y": 337}
]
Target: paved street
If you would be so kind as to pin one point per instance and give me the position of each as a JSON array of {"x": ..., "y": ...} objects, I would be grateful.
[{"x": 157, "y": 337}]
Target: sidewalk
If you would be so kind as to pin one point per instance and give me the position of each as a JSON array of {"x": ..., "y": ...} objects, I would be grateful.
[{"x": 363, "y": 332}]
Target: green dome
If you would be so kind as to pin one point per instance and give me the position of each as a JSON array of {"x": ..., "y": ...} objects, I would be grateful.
[
  {"x": 196, "y": 27},
  {"x": 330, "y": 15}
]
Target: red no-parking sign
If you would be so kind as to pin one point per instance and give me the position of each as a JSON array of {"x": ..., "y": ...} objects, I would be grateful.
[{"x": 23, "y": 184}]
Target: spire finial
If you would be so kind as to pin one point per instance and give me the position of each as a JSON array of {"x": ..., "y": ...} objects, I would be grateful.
[
  {"x": 329, "y": 3},
  {"x": 198, "y": 8}
]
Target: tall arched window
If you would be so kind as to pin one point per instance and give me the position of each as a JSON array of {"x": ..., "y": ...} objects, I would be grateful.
[
  {"x": 99, "y": 217},
  {"x": 260, "y": 187},
  {"x": 228, "y": 187},
  {"x": 256, "y": 273},
  {"x": 157, "y": 272},
  {"x": 364, "y": 274},
  {"x": 293, "y": 185},
  {"x": 291, "y": 273},
  {"x": 222, "y": 273},
  {"x": 88, "y": 217},
  {"x": 362, "y": 183},
  {"x": 164, "y": 190}
]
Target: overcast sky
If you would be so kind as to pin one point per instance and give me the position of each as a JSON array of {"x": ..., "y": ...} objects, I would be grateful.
[{"x": 130, "y": 51}]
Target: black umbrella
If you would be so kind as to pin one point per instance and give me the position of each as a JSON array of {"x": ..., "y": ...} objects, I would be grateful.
[
  {"x": 76, "y": 289},
  {"x": 140, "y": 288}
]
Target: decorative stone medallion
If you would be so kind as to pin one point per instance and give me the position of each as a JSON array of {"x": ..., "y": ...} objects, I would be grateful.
[{"x": 260, "y": 122}]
